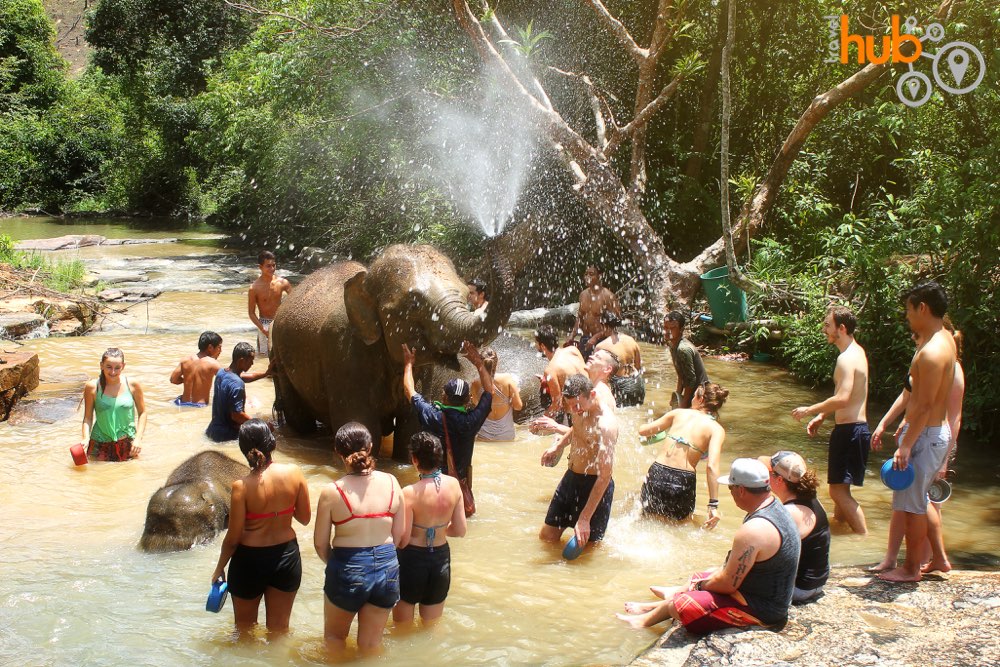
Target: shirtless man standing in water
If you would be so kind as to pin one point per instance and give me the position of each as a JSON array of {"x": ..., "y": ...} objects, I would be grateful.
[
  {"x": 563, "y": 362},
  {"x": 594, "y": 301},
  {"x": 265, "y": 297},
  {"x": 850, "y": 440},
  {"x": 582, "y": 500},
  {"x": 197, "y": 372}
]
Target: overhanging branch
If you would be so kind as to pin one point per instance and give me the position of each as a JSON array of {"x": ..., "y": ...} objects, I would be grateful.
[{"x": 619, "y": 30}]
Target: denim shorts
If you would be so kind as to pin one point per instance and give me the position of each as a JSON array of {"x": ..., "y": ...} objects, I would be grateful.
[{"x": 356, "y": 576}]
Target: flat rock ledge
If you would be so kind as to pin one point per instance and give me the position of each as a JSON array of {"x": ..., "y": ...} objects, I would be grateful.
[
  {"x": 951, "y": 619},
  {"x": 71, "y": 241}
]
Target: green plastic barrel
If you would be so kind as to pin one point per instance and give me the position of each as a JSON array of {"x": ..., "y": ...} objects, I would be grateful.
[{"x": 727, "y": 301}]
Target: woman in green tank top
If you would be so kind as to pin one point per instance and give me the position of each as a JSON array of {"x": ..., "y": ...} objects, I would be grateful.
[{"x": 114, "y": 414}]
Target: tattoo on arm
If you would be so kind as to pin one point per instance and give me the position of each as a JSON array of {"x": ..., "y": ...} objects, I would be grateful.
[{"x": 743, "y": 565}]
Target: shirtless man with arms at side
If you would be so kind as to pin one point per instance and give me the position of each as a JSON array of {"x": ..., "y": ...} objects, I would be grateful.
[
  {"x": 265, "y": 297},
  {"x": 563, "y": 362},
  {"x": 197, "y": 372},
  {"x": 926, "y": 437},
  {"x": 582, "y": 501},
  {"x": 594, "y": 300},
  {"x": 850, "y": 440}
]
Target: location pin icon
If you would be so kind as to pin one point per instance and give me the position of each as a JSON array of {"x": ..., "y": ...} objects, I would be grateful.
[
  {"x": 914, "y": 86},
  {"x": 958, "y": 63}
]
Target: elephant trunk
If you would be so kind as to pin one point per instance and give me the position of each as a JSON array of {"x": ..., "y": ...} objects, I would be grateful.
[{"x": 458, "y": 323}]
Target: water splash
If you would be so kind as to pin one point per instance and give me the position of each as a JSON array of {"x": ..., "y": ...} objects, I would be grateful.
[{"x": 480, "y": 154}]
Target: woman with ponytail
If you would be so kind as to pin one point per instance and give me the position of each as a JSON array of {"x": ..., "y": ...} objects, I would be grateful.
[
  {"x": 363, "y": 511},
  {"x": 260, "y": 546},
  {"x": 114, "y": 412}
]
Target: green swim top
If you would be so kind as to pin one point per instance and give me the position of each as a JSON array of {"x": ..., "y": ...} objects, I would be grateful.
[{"x": 114, "y": 416}]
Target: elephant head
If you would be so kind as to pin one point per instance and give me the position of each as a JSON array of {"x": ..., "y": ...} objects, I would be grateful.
[
  {"x": 413, "y": 295},
  {"x": 182, "y": 515}
]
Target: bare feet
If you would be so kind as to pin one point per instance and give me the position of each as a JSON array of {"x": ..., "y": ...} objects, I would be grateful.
[
  {"x": 935, "y": 566},
  {"x": 898, "y": 575},
  {"x": 636, "y": 622},
  {"x": 884, "y": 566},
  {"x": 640, "y": 607},
  {"x": 663, "y": 592}
]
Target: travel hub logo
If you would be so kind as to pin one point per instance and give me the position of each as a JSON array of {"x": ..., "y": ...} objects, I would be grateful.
[{"x": 957, "y": 67}]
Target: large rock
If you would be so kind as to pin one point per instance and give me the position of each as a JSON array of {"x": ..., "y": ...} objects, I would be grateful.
[
  {"x": 561, "y": 318},
  {"x": 130, "y": 294},
  {"x": 15, "y": 325},
  {"x": 71, "y": 241},
  {"x": 860, "y": 620},
  {"x": 18, "y": 376},
  {"x": 115, "y": 276}
]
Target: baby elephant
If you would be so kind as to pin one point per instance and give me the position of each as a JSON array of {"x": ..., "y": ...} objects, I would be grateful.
[{"x": 193, "y": 506}]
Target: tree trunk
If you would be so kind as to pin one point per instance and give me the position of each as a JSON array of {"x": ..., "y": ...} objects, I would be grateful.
[{"x": 706, "y": 109}]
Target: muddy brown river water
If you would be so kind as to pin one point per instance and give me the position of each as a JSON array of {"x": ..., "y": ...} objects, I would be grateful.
[{"x": 75, "y": 589}]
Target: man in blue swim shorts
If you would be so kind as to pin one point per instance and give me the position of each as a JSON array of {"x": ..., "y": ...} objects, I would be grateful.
[
  {"x": 582, "y": 500},
  {"x": 925, "y": 439},
  {"x": 850, "y": 440}
]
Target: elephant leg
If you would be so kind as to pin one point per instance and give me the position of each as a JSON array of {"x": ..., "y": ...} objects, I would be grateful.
[
  {"x": 289, "y": 403},
  {"x": 406, "y": 426}
]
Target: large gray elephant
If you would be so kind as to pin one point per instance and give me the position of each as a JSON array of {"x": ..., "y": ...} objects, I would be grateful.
[
  {"x": 193, "y": 506},
  {"x": 337, "y": 338}
]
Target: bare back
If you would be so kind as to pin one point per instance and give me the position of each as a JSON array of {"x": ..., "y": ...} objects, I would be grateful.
[
  {"x": 199, "y": 376},
  {"x": 593, "y": 302},
  {"x": 689, "y": 439},
  {"x": 852, "y": 369},
  {"x": 506, "y": 395},
  {"x": 429, "y": 507},
  {"x": 565, "y": 361},
  {"x": 273, "y": 492},
  {"x": 375, "y": 494},
  {"x": 626, "y": 349}
]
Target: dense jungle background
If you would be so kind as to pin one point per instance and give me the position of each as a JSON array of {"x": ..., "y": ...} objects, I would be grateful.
[{"x": 293, "y": 123}]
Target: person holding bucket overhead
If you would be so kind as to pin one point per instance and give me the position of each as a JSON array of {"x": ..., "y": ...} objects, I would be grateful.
[{"x": 114, "y": 412}]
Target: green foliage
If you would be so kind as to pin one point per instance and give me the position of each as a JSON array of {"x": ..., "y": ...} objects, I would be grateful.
[
  {"x": 527, "y": 41},
  {"x": 31, "y": 71},
  {"x": 59, "y": 274}
]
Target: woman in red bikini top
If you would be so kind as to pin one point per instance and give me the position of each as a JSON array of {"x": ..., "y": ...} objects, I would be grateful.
[
  {"x": 363, "y": 511},
  {"x": 260, "y": 546}
]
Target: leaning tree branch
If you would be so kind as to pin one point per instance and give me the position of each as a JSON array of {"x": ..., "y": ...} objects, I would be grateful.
[
  {"x": 619, "y": 30},
  {"x": 522, "y": 61},
  {"x": 642, "y": 119},
  {"x": 598, "y": 105},
  {"x": 332, "y": 31}
]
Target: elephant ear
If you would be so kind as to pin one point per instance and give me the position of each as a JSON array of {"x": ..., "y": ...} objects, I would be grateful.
[{"x": 361, "y": 311}]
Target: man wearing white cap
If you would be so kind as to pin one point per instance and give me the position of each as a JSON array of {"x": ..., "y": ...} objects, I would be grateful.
[
  {"x": 754, "y": 586},
  {"x": 795, "y": 486}
]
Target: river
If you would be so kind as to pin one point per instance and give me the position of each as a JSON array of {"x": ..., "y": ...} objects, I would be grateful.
[{"x": 76, "y": 590}]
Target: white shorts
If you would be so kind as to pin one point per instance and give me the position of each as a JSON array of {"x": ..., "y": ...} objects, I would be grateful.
[
  {"x": 263, "y": 346},
  {"x": 927, "y": 457}
]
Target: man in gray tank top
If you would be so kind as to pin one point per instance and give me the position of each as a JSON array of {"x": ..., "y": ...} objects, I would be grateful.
[{"x": 754, "y": 586}]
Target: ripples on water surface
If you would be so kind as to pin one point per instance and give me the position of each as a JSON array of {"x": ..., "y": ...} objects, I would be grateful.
[{"x": 76, "y": 591}]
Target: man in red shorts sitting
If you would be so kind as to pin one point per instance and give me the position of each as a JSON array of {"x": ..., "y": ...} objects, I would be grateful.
[{"x": 754, "y": 586}]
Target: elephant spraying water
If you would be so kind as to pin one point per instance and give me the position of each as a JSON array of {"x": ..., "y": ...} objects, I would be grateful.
[{"x": 338, "y": 337}]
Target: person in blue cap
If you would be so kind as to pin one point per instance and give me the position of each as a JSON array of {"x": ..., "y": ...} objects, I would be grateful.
[{"x": 452, "y": 420}]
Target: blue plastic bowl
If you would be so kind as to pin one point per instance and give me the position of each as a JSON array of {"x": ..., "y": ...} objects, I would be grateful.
[
  {"x": 572, "y": 549},
  {"x": 217, "y": 597},
  {"x": 897, "y": 480}
]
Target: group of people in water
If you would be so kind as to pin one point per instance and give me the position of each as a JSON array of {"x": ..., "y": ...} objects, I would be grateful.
[{"x": 386, "y": 548}]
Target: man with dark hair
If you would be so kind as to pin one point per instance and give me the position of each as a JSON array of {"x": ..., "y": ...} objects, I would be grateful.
[
  {"x": 626, "y": 382},
  {"x": 754, "y": 586},
  {"x": 850, "y": 439},
  {"x": 582, "y": 501},
  {"x": 687, "y": 361},
  {"x": 197, "y": 372},
  {"x": 795, "y": 486},
  {"x": 563, "y": 362},
  {"x": 229, "y": 401},
  {"x": 478, "y": 300},
  {"x": 595, "y": 300},
  {"x": 451, "y": 420},
  {"x": 265, "y": 297},
  {"x": 925, "y": 438}
]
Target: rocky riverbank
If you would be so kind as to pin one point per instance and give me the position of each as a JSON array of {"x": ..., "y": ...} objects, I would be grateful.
[{"x": 951, "y": 619}]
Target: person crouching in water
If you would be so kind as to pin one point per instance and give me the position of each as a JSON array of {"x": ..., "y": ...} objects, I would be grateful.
[
  {"x": 434, "y": 512},
  {"x": 795, "y": 486},
  {"x": 692, "y": 435},
  {"x": 260, "y": 546},
  {"x": 364, "y": 512}
]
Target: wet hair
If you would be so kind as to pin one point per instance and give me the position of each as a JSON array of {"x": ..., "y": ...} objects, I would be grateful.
[
  {"x": 546, "y": 335},
  {"x": 930, "y": 293},
  {"x": 843, "y": 316},
  {"x": 256, "y": 442},
  {"x": 110, "y": 353},
  {"x": 676, "y": 316},
  {"x": 805, "y": 488},
  {"x": 576, "y": 386},
  {"x": 243, "y": 350},
  {"x": 208, "y": 339},
  {"x": 610, "y": 318},
  {"x": 714, "y": 396},
  {"x": 957, "y": 335},
  {"x": 427, "y": 450},
  {"x": 613, "y": 361},
  {"x": 490, "y": 360},
  {"x": 264, "y": 256},
  {"x": 354, "y": 443},
  {"x": 480, "y": 286}
]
